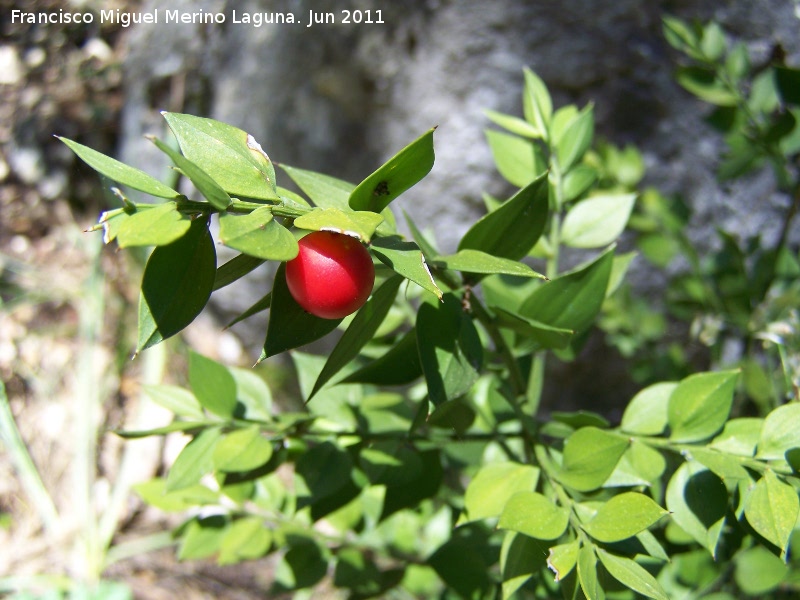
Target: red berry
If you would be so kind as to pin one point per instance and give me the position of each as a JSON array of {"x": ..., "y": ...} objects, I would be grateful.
[{"x": 332, "y": 275}]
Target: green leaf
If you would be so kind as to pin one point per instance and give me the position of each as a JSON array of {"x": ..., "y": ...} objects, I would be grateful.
[
  {"x": 235, "y": 269},
  {"x": 631, "y": 574},
  {"x": 623, "y": 516},
  {"x": 699, "y": 407},
  {"x": 573, "y": 143},
  {"x": 572, "y": 300},
  {"x": 399, "y": 366},
  {"x": 703, "y": 83},
  {"x": 640, "y": 465},
  {"x": 513, "y": 124},
  {"x": 230, "y": 156},
  {"x": 759, "y": 571},
  {"x": 194, "y": 461},
  {"x": 646, "y": 413},
  {"x": 157, "y": 226},
  {"x": 176, "y": 399},
  {"x": 360, "y": 331},
  {"x": 289, "y": 325},
  {"x": 202, "y": 537},
  {"x": 587, "y": 573},
  {"x": 516, "y": 158},
  {"x": 406, "y": 259},
  {"x": 728, "y": 468},
  {"x": 171, "y": 428},
  {"x": 772, "y": 509},
  {"x": 520, "y": 559},
  {"x": 154, "y": 493},
  {"x": 787, "y": 81},
  {"x": 590, "y": 456},
  {"x": 449, "y": 348},
  {"x": 514, "y": 228},
  {"x": 258, "y": 235},
  {"x": 546, "y": 336},
  {"x": 577, "y": 181},
  {"x": 177, "y": 282},
  {"x": 562, "y": 558},
  {"x": 213, "y": 385},
  {"x": 739, "y": 436},
  {"x": 409, "y": 494},
  {"x": 247, "y": 538},
  {"x": 698, "y": 501},
  {"x": 597, "y": 221},
  {"x": 534, "y": 515},
  {"x": 781, "y": 432},
  {"x": 216, "y": 196},
  {"x": 242, "y": 450},
  {"x": 360, "y": 224},
  {"x": 325, "y": 191},
  {"x": 475, "y": 261},
  {"x": 303, "y": 565},
  {"x": 120, "y": 172},
  {"x": 536, "y": 103},
  {"x": 682, "y": 37},
  {"x": 493, "y": 485},
  {"x": 400, "y": 173},
  {"x": 259, "y": 306},
  {"x": 713, "y": 44},
  {"x": 253, "y": 396}
]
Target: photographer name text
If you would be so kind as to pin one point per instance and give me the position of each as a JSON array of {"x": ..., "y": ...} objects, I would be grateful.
[{"x": 157, "y": 16}]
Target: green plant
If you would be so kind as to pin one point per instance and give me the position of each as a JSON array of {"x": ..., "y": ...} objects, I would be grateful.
[
  {"x": 421, "y": 465},
  {"x": 331, "y": 276}
]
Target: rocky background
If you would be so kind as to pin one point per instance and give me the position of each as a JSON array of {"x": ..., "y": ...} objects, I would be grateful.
[{"x": 333, "y": 98}]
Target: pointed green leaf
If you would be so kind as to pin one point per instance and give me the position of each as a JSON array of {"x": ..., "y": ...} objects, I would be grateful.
[
  {"x": 772, "y": 509},
  {"x": 325, "y": 191},
  {"x": 572, "y": 300},
  {"x": 632, "y": 575},
  {"x": 252, "y": 394},
  {"x": 212, "y": 385},
  {"x": 230, "y": 156},
  {"x": 759, "y": 571},
  {"x": 289, "y": 325},
  {"x": 536, "y": 103},
  {"x": 259, "y": 306},
  {"x": 492, "y": 487},
  {"x": 400, "y": 173},
  {"x": 177, "y": 282},
  {"x": 646, "y": 413},
  {"x": 562, "y": 558},
  {"x": 176, "y": 399},
  {"x": 475, "y": 261},
  {"x": 399, "y": 366},
  {"x": 587, "y": 573},
  {"x": 449, "y": 348},
  {"x": 781, "y": 432},
  {"x": 194, "y": 461},
  {"x": 216, "y": 196},
  {"x": 406, "y": 259},
  {"x": 154, "y": 493},
  {"x": 698, "y": 501},
  {"x": 520, "y": 558},
  {"x": 202, "y": 537},
  {"x": 513, "y": 124},
  {"x": 623, "y": 516},
  {"x": 534, "y": 515},
  {"x": 120, "y": 172},
  {"x": 545, "y": 336},
  {"x": 699, "y": 407},
  {"x": 235, "y": 269},
  {"x": 597, "y": 221},
  {"x": 703, "y": 83},
  {"x": 514, "y": 228},
  {"x": 787, "y": 80},
  {"x": 360, "y": 331},
  {"x": 157, "y": 226},
  {"x": 577, "y": 181},
  {"x": 739, "y": 436},
  {"x": 517, "y": 159},
  {"x": 242, "y": 450},
  {"x": 590, "y": 456},
  {"x": 258, "y": 235},
  {"x": 247, "y": 538},
  {"x": 575, "y": 140},
  {"x": 360, "y": 224}
]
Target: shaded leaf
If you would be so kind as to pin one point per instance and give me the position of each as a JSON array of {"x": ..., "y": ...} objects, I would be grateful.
[
  {"x": 242, "y": 450},
  {"x": 212, "y": 384},
  {"x": 632, "y": 575},
  {"x": 698, "y": 501},
  {"x": 177, "y": 282},
  {"x": 325, "y": 191},
  {"x": 406, "y": 259},
  {"x": 772, "y": 509},
  {"x": 399, "y": 366},
  {"x": 699, "y": 407}
]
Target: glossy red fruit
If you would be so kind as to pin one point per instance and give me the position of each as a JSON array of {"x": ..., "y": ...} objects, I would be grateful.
[{"x": 332, "y": 275}]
